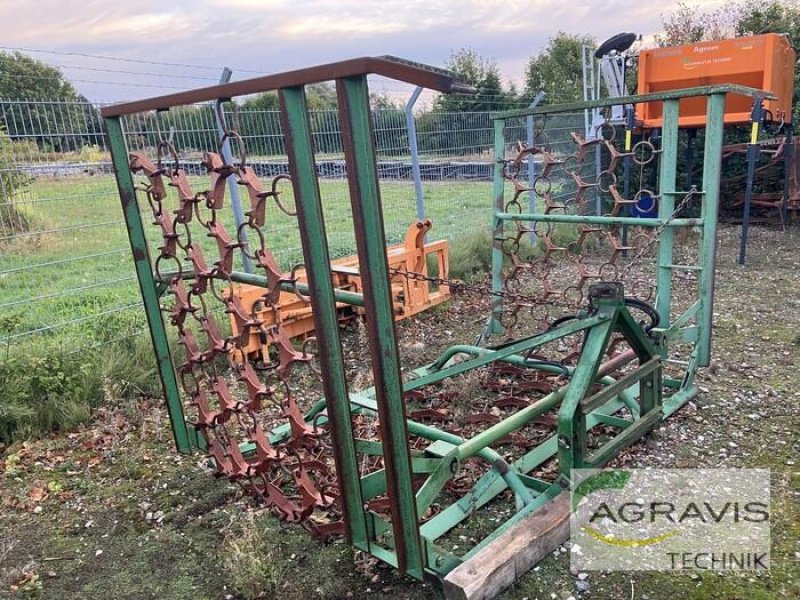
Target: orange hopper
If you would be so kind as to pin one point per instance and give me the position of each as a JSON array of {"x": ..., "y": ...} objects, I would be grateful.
[{"x": 763, "y": 62}]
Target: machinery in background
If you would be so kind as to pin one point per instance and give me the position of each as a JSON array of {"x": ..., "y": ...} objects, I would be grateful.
[
  {"x": 293, "y": 310},
  {"x": 762, "y": 62}
]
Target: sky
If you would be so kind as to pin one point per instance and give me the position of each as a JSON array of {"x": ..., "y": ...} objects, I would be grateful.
[{"x": 198, "y": 37}]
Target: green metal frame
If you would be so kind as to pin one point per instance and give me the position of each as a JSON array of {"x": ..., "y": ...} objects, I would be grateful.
[{"x": 634, "y": 403}]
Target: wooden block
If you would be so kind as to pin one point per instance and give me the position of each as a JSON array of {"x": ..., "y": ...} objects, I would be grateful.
[{"x": 507, "y": 558}]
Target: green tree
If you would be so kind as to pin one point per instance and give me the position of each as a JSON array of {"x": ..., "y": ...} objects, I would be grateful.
[
  {"x": 755, "y": 18},
  {"x": 12, "y": 219},
  {"x": 558, "y": 68},
  {"x": 481, "y": 73},
  {"x": 319, "y": 96},
  {"x": 25, "y": 78},
  {"x": 265, "y": 101},
  {"x": 688, "y": 24},
  {"x": 38, "y": 102}
]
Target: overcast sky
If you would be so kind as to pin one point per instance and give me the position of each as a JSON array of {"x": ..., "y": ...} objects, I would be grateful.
[{"x": 263, "y": 36}]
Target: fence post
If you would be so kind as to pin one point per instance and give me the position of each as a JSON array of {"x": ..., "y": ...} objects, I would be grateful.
[
  {"x": 411, "y": 126},
  {"x": 531, "y": 163},
  {"x": 227, "y": 156}
]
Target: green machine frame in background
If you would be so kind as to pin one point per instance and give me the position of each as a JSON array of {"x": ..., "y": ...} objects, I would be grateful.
[{"x": 634, "y": 403}]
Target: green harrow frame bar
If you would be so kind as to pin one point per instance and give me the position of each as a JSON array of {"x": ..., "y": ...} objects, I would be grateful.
[{"x": 401, "y": 539}]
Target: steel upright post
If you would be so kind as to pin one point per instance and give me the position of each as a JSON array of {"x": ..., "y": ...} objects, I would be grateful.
[
  {"x": 185, "y": 439},
  {"x": 227, "y": 156},
  {"x": 297, "y": 132},
  {"x": 666, "y": 191},
  {"x": 362, "y": 177},
  {"x": 753, "y": 152},
  {"x": 411, "y": 127},
  {"x": 498, "y": 207},
  {"x": 712, "y": 167}
]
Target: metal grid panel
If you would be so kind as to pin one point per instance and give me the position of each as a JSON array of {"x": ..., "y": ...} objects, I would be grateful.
[{"x": 68, "y": 271}]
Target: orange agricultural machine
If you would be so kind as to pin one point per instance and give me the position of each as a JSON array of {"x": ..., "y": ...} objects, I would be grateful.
[
  {"x": 765, "y": 62},
  {"x": 294, "y": 313}
]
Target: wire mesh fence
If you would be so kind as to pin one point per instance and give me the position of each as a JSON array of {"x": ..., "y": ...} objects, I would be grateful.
[{"x": 66, "y": 277}]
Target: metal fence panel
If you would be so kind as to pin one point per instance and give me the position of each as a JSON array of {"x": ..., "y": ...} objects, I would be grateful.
[{"x": 66, "y": 277}]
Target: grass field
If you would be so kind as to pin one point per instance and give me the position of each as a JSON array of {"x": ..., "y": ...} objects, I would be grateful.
[{"x": 74, "y": 273}]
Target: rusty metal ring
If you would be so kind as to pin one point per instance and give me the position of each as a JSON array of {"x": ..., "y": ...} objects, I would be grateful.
[
  {"x": 602, "y": 177},
  {"x": 649, "y": 152},
  {"x": 636, "y": 289},
  {"x": 542, "y": 185},
  {"x": 571, "y": 164},
  {"x": 293, "y": 281},
  {"x": 153, "y": 201},
  {"x": 540, "y": 137},
  {"x": 311, "y": 340},
  {"x": 216, "y": 274},
  {"x": 539, "y": 312},
  {"x": 187, "y": 230},
  {"x": 573, "y": 296},
  {"x": 200, "y": 219},
  {"x": 512, "y": 247},
  {"x": 188, "y": 369},
  {"x": 507, "y": 166},
  {"x": 605, "y": 275},
  {"x": 173, "y": 153},
  {"x": 157, "y": 270},
  {"x": 513, "y": 204},
  {"x": 543, "y": 228},
  {"x": 243, "y": 245},
  {"x": 512, "y": 284},
  {"x": 512, "y": 321},
  {"x": 605, "y": 126},
  {"x": 234, "y": 135},
  {"x": 276, "y": 194},
  {"x": 642, "y": 194}
]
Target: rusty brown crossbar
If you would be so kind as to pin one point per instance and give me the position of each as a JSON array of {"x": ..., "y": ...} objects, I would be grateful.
[{"x": 387, "y": 66}]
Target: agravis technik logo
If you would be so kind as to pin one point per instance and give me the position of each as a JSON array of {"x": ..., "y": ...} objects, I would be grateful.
[{"x": 670, "y": 519}]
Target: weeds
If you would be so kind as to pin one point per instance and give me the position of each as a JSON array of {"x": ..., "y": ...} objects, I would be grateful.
[
  {"x": 249, "y": 560},
  {"x": 44, "y": 390}
]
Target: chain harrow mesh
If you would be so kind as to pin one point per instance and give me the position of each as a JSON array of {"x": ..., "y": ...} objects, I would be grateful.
[
  {"x": 554, "y": 275},
  {"x": 236, "y": 405},
  {"x": 229, "y": 401}
]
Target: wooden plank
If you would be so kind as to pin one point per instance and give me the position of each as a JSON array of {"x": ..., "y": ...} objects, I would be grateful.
[{"x": 506, "y": 559}]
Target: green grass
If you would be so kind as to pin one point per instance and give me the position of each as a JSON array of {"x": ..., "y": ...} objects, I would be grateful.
[
  {"x": 77, "y": 264},
  {"x": 69, "y": 300},
  {"x": 70, "y": 320}
]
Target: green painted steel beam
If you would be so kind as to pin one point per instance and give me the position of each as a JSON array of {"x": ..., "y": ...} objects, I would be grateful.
[
  {"x": 351, "y": 298},
  {"x": 635, "y": 99},
  {"x": 494, "y": 325},
  {"x": 597, "y": 220},
  {"x": 185, "y": 438},
  {"x": 490, "y": 484},
  {"x": 519, "y": 419},
  {"x": 712, "y": 169},
  {"x": 362, "y": 176},
  {"x": 571, "y": 433},
  {"x": 666, "y": 206},
  {"x": 299, "y": 149},
  {"x": 488, "y": 356}
]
